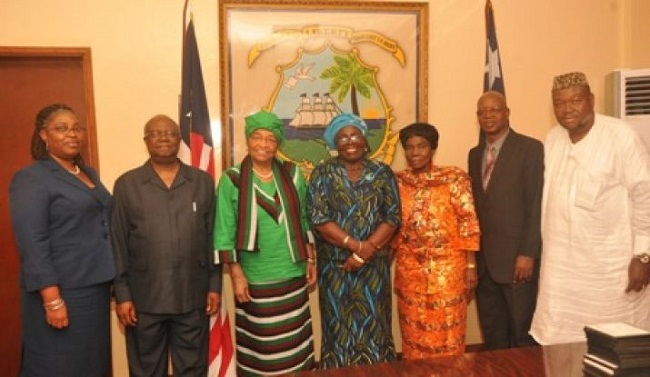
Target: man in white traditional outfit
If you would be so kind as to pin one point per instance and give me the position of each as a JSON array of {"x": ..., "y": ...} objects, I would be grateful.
[{"x": 595, "y": 220}]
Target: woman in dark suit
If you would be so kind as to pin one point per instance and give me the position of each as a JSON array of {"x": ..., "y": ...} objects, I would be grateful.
[{"x": 60, "y": 212}]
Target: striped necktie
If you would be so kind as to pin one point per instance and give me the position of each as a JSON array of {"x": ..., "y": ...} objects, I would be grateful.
[{"x": 490, "y": 158}]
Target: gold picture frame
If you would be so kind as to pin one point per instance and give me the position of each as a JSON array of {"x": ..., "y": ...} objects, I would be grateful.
[{"x": 309, "y": 60}]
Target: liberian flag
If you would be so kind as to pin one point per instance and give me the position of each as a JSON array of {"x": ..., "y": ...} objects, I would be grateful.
[
  {"x": 194, "y": 118},
  {"x": 493, "y": 76},
  {"x": 197, "y": 150},
  {"x": 221, "y": 355}
]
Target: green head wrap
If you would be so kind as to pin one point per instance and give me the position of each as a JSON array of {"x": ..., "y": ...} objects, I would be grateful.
[{"x": 267, "y": 121}]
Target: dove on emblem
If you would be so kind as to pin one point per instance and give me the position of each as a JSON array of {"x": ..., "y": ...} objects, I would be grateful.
[{"x": 302, "y": 73}]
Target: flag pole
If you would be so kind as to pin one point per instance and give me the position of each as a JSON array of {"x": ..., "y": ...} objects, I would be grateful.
[
  {"x": 185, "y": 6},
  {"x": 187, "y": 2},
  {"x": 183, "y": 43}
]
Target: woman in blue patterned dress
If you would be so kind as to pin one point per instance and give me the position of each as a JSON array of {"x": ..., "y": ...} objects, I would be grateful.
[{"x": 353, "y": 205}]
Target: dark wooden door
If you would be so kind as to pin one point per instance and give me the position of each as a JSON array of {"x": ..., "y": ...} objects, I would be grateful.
[{"x": 31, "y": 78}]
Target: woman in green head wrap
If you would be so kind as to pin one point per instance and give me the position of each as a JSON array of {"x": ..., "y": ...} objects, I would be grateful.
[{"x": 261, "y": 231}]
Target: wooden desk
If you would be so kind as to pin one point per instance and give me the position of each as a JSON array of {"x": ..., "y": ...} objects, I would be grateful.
[{"x": 564, "y": 360}]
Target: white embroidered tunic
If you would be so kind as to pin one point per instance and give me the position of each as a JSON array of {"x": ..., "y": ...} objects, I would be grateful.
[{"x": 595, "y": 216}]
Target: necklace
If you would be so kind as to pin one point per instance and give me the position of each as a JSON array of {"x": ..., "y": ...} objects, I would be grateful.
[
  {"x": 263, "y": 176},
  {"x": 76, "y": 170}
]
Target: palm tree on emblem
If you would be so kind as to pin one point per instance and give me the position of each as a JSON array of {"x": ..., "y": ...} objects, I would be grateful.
[{"x": 348, "y": 75}]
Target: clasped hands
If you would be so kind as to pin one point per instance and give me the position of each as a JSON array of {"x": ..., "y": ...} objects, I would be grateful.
[{"x": 359, "y": 256}]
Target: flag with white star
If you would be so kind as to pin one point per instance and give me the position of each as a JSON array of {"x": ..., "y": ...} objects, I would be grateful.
[
  {"x": 493, "y": 76},
  {"x": 194, "y": 120}
]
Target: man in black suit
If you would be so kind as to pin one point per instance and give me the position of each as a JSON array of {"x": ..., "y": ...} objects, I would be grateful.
[
  {"x": 166, "y": 284},
  {"x": 507, "y": 176}
]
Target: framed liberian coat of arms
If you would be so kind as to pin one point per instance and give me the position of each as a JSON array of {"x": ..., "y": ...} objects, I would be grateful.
[{"x": 308, "y": 61}]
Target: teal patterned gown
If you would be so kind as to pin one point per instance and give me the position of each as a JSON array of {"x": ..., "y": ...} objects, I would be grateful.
[{"x": 355, "y": 307}]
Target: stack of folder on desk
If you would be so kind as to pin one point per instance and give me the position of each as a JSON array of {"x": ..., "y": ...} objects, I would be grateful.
[{"x": 617, "y": 349}]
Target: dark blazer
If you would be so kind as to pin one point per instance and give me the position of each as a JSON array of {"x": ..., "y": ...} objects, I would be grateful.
[
  {"x": 162, "y": 240},
  {"x": 61, "y": 227},
  {"x": 509, "y": 210}
]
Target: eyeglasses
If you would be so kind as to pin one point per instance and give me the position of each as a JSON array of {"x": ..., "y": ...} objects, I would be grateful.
[
  {"x": 162, "y": 135},
  {"x": 348, "y": 139},
  {"x": 64, "y": 130},
  {"x": 260, "y": 139},
  {"x": 490, "y": 111}
]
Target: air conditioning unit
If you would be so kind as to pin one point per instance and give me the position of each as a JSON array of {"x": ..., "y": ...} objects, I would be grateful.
[{"x": 630, "y": 99}]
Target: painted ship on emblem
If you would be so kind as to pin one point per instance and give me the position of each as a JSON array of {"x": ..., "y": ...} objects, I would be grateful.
[{"x": 315, "y": 111}]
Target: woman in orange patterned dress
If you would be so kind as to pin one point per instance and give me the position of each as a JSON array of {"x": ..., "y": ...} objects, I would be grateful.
[{"x": 435, "y": 268}]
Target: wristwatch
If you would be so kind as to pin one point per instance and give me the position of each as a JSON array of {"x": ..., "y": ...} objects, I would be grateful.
[{"x": 643, "y": 258}]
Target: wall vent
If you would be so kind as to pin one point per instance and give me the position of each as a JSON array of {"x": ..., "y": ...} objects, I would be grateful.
[{"x": 630, "y": 94}]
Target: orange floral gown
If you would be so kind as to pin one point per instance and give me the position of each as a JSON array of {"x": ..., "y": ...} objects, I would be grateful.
[{"x": 439, "y": 226}]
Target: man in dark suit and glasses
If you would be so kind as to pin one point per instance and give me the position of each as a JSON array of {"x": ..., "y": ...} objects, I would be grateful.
[
  {"x": 167, "y": 284},
  {"x": 507, "y": 177}
]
